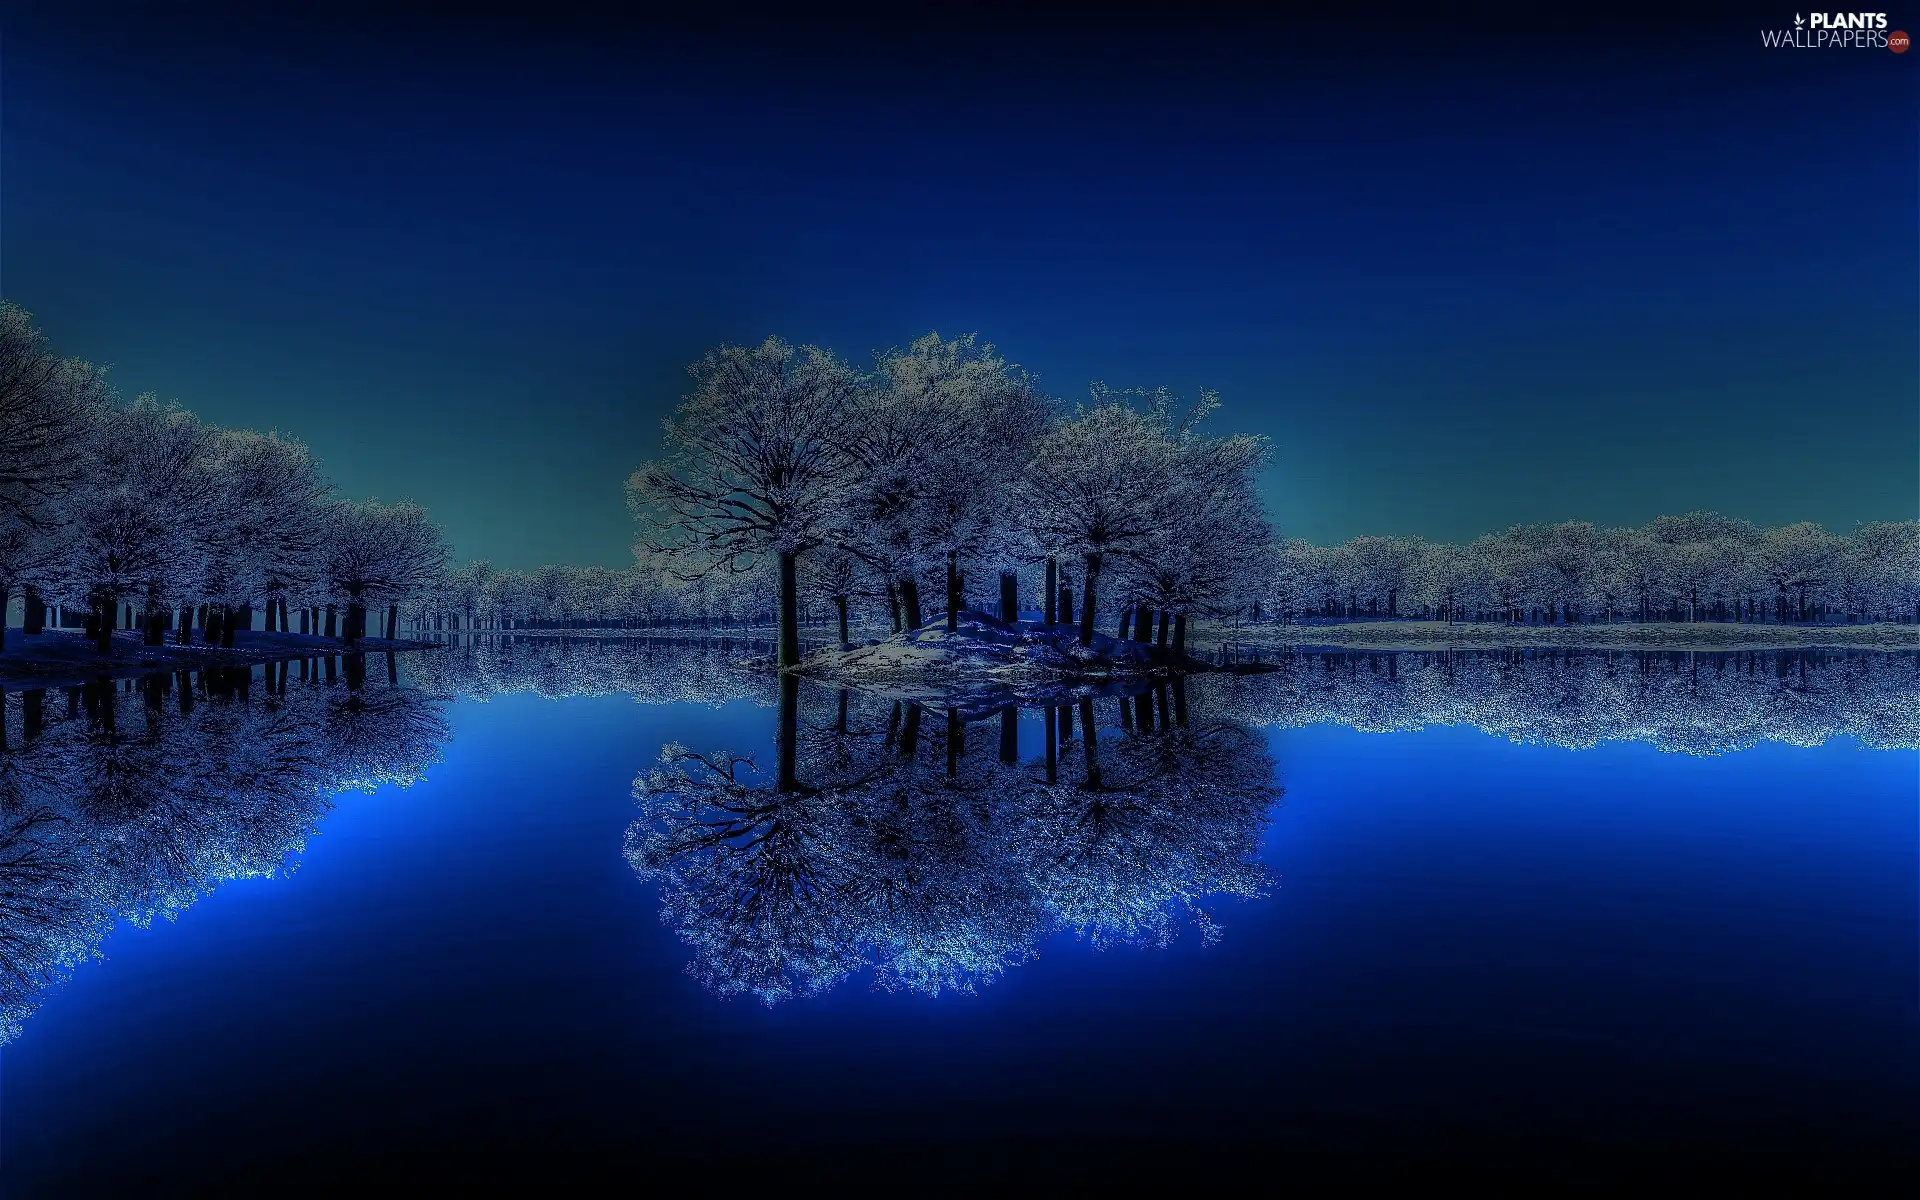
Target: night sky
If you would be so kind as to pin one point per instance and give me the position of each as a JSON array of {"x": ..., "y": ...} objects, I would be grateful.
[{"x": 1463, "y": 275}]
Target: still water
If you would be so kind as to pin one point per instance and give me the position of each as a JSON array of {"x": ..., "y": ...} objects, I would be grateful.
[{"x": 525, "y": 903}]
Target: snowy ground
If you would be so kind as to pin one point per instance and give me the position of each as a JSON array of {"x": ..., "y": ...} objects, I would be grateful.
[
  {"x": 60, "y": 657},
  {"x": 984, "y": 650}
]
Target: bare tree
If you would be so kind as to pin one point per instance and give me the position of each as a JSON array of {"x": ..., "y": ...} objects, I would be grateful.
[{"x": 755, "y": 466}]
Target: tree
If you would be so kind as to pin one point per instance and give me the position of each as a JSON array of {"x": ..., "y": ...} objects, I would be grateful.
[
  {"x": 1888, "y": 554},
  {"x": 139, "y": 526},
  {"x": 266, "y": 536},
  {"x": 1798, "y": 559},
  {"x": 1103, "y": 482},
  {"x": 756, "y": 466},
  {"x": 380, "y": 552},
  {"x": 46, "y": 408},
  {"x": 1213, "y": 552}
]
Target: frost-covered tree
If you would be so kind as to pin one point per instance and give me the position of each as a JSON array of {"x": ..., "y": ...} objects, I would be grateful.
[
  {"x": 755, "y": 466},
  {"x": 1214, "y": 550},
  {"x": 380, "y": 553},
  {"x": 1887, "y": 554},
  {"x": 47, "y": 405},
  {"x": 267, "y": 536},
  {"x": 138, "y": 527},
  {"x": 1103, "y": 483},
  {"x": 1799, "y": 559},
  {"x": 48, "y": 409}
]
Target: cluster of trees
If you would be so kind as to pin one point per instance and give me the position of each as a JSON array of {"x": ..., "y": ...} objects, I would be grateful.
[
  {"x": 940, "y": 467},
  {"x": 130, "y": 799},
  {"x": 1695, "y": 567},
  {"x": 142, "y": 515},
  {"x": 905, "y": 839},
  {"x": 793, "y": 484}
]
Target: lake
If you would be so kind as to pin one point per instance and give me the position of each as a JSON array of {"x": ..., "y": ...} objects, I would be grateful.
[{"x": 527, "y": 906}]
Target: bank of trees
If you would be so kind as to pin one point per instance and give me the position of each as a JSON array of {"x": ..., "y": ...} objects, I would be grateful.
[
  {"x": 944, "y": 471},
  {"x": 1694, "y": 567},
  {"x": 142, "y": 516},
  {"x": 795, "y": 487}
]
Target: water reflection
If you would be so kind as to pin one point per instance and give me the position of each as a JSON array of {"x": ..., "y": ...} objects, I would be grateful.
[
  {"x": 655, "y": 670},
  {"x": 129, "y": 799},
  {"x": 1695, "y": 703},
  {"x": 934, "y": 840},
  {"x": 918, "y": 840},
  {"x": 1692, "y": 702}
]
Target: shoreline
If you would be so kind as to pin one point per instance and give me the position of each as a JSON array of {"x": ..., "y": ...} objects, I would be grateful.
[{"x": 66, "y": 658}]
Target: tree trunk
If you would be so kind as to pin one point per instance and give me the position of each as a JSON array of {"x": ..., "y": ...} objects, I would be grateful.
[
  {"x": 1010, "y": 735},
  {"x": 1180, "y": 634},
  {"x": 1053, "y": 733},
  {"x": 953, "y": 591},
  {"x": 893, "y": 605},
  {"x": 185, "y": 633},
  {"x": 229, "y": 622},
  {"x": 332, "y": 616},
  {"x": 789, "y": 611},
  {"x": 1087, "y": 602},
  {"x": 840, "y": 602},
  {"x": 34, "y": 614},
  {"x": 910, "y": 731},
  {"x": 1052, "y": 593},
  {"x": 910, "y": 602},
  {"x": 109, "y": 607},
  {"x": 1126, "y": 623},
  {"x": 1163, "y": 630},
  {"x": 1143, "y": 625},
  {"x": 1087, "y": 738},
  {"x": 1066, "y": 603},
  {"x": 393, "y": 621},
  {"x": 1009, "y": 596}
]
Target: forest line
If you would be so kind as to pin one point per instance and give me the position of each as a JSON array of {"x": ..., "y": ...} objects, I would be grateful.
[
  {"x": 793, "y": 485},
  {"x": 142, "y": 516},
  {"x": 792, "y": 480}
]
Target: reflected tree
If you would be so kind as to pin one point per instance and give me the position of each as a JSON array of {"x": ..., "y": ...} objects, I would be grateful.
[
  {"x": 934, "y": 859},
  {"x": 124, "y": 799}
]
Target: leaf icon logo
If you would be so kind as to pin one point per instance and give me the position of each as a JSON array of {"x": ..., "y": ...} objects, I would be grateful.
[{"x": 1797, "y": 22}]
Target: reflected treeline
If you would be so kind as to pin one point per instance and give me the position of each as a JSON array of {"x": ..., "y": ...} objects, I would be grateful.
[
  {"x": 938, "y": 846},
  {"x": 127, "y": 799},
  {"x": 655, "y": 669},
  {"x": 1699, "y": 703}
]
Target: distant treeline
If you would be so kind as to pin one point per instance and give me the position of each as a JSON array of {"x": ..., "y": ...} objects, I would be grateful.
[
  {"x": 1697, "y": 567},
  {"x": 1700, "y": 566},
  {"x": 140, "y": 515}
]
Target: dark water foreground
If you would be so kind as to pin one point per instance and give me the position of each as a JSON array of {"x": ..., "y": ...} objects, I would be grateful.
[{"x": 546, "y": 909}]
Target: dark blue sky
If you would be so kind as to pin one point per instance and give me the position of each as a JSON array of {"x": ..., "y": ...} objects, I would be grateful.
[{"x": 1462, "y": 274}]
